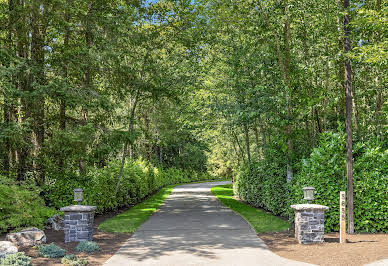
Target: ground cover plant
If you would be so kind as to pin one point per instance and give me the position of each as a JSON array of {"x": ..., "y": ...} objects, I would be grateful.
[
  {"x": 50, "y": 251},
  {"x": 260, "y": 221},
  {"x": 16, "y": 259},
  {"x": 72, "y": 260},
  {"x": 87, "y": 246}
]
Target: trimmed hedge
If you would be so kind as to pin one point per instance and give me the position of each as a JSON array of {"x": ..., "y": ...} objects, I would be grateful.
[
  {"x": 22, "y": 205},
  {"x": 325, "y": 170},
  {"x": 139, "y": 180},
  {"x": 265, "y": 185}
]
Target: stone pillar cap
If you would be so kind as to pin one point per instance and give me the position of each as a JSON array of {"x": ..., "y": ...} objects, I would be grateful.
[
  {"x": 303, "y": 207},
  {"x": 78, "y": 208}
]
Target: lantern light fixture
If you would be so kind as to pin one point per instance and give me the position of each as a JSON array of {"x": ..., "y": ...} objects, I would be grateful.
[
  {"x": 78, "y": 195},
  {"x": 308, "y": 194}
]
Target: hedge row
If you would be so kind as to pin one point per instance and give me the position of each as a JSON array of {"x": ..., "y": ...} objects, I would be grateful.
[
  {"x": 264, "y": 183},
  {"x": 22, "y": 206},
  {"x": 139, "y": 180}
]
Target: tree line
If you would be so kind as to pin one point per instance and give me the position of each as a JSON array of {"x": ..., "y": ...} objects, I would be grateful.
[{"x": 205, "y": 85}]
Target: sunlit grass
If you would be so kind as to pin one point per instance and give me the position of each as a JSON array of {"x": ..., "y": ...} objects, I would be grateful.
[
  {"x": 260, "y": 221},
  {"x": 129, "y": 221}
]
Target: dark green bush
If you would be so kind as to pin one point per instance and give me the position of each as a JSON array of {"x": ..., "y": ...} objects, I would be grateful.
[
  {"x": 21, "y": 206},
  {"x": 16, "y": 259},
  {"x": 72, "y": 260},
  {"x": 139, "y": 180},
  {"x": 50, "y": 251},
  {"x": 326, "y": 171},
  {"x": 87, "y": 246},
  {"x": 265, "y": 185}
]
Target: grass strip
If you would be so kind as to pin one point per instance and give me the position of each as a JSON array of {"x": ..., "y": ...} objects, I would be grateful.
[
  {"x": 130, "y": 220},
  {"x": 260, "y": 221}
]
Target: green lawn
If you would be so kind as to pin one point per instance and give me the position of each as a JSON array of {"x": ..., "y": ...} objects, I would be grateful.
[
  {"x": 259, "y": 220},
  {"x": 129, "y": 221}
]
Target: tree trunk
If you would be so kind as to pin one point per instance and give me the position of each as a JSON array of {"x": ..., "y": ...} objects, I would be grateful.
[
  {"x": 247, "y": 143},
  {"x": 37, "y": 103},
  {"x": 7, "y": 107},
  {"x": 239, "y": 145},
  {"x": 256, "y": 131},
  {"x": 87, "y": 76},
  {"x": 62, "y": 111},
  {"x": 284, "y": 63},
  {"x": 327, "y": 78},
  {"x": 348, "y": 107},
  {"x": 126, "y": 143}
]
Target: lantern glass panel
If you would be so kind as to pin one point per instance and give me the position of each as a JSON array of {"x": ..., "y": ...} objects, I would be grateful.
[
  {"x": 78, "y": 195},
  {"x": 308, "y": 193}
]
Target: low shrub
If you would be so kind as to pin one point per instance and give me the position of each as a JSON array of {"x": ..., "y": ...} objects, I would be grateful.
[
  {"x": 50, "y": 251},
  {"x": 87, "y": 246},
  {"x": 72, "y": 260},
  {"x": 21, "y": 206},
  {"x": 16, "y": 259}
]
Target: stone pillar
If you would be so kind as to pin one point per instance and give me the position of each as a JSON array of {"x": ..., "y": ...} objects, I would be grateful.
[
  {"x": 309, "y": 223},
  {"x": 78, "y": 223}
]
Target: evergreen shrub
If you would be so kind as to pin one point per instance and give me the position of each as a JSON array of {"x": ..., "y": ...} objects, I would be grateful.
[
  {"x": 21, "y": 206},
  {"x": 50, "y": 251},
  {"x": 325, "y": 170},
  {"x": 72, "y": 260},
  {"x": 139, "y": 180},
  {"x": 87, "y": 246},
  {"x": 16, "y": 259},
  {"x": 264, "y": 184}
]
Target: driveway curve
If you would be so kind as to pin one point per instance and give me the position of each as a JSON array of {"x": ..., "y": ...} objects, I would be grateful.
[{"x": 193, "y": 228}]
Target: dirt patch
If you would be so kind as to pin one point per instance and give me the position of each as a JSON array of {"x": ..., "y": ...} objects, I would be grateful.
[
  {"x": 109, "y": 243},
  {"x": 359, "y": 249}
]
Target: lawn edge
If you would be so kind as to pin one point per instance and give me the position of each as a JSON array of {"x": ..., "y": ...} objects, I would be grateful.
[
  {"x": 223, "y": 204},
  {"x": 239, "y": 214},
  {"x": 157, "y": 208}
]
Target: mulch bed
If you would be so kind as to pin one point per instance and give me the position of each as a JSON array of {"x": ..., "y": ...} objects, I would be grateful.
[
  {"x": 360, "y": 249},
  {"x": 109, "y": 243}
]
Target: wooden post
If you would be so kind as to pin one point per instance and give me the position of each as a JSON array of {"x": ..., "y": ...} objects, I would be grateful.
[{"x": 342, "y": 217}]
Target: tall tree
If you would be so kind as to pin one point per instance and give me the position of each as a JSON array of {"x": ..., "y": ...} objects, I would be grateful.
[{"x": 348, "y": 107}]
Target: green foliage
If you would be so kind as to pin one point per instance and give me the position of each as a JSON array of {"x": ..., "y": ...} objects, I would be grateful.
[
  {"x": 50, "y": 251},
  {"x": 261, "y": 221},
  {"x": 325, "y": 170},
  {"x": 129, "y": 221},
  {"x": 21, "y": 206},
  {"x": 72, "y": 260},
  {"x": 16, "y": 259},
  {"x": 87, "y": 246},
  {"x": 263, "y": 184},
  {"x": 139, "y": 180}
]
